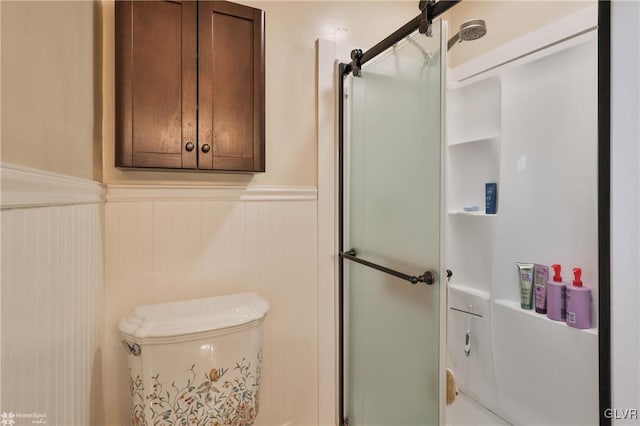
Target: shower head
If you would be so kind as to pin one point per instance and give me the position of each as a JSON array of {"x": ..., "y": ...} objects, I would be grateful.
[{"x": 472, "y": 29}]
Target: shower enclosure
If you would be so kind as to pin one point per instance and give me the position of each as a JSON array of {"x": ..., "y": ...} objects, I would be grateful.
[
  {"x": 392, "y": 280},
  {"x": 390, "y": 227}
]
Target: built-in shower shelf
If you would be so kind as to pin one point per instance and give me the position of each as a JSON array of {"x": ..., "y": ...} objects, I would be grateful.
[
  {"x": 464, "y": 213},
  {"x": 470, "y": 164},
  {"x": 474, "y": 112},
  {"x": 485, "y": 138},
  {"x": 541, "y": 317},
  {"x": 469, "y": 290}
]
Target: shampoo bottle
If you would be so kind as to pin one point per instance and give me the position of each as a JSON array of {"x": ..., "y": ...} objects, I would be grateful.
[
  {"x": 556, "y": 296},
  {"x": 578, "y": 302}
]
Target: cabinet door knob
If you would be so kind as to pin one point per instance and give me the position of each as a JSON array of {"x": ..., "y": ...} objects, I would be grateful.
[
  {"x": 206, "y": 148},
  {"x": 189, "y": 146}
]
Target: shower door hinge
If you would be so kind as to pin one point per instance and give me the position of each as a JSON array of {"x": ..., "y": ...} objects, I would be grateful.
[{"x": 356, "y": 66}]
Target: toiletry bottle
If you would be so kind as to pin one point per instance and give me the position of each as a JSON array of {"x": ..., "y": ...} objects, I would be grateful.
[
  {"x": 578, "y": 302},
  {"x": 556, "y": 296},
  {"x": 491, "y": 197},
  {"x": 525, "y": 271},
  {"x": 540, "y": 279}
]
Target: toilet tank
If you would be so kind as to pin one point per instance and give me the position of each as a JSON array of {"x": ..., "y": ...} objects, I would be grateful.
[{"x": 195, "y": 362}]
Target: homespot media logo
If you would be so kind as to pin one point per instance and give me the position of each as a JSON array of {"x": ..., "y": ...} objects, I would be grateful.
[
  {"x": 11, "y": 418},
  {"x": 7, "y": 419},
  {"x": 621, "y": 413}
]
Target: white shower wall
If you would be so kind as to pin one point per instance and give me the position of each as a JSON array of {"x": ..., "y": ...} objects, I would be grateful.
[
  {"x": 52, "y": 288},
  {"x": 167, "y": 243},
  {"x": 543, "y": 156},
  {"x": 625, "y": 210}
]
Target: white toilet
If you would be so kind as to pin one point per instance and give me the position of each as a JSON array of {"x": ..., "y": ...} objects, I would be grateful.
[{"x": 195, "y": 362}]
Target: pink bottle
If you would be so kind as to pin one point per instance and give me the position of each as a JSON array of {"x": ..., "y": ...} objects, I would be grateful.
[
  {"x": 556, "y": 296},
  {"x": 578, "y": 302}
]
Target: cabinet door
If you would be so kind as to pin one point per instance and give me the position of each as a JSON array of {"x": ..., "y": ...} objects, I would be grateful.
[
  {"x": 231, "y": 87},
  {"x": 156, "y": 84}
]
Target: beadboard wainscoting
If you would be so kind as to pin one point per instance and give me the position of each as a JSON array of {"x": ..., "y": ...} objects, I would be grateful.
[
  {"x": 51, "y": 297},
  {"x": 166, "y": 243}
]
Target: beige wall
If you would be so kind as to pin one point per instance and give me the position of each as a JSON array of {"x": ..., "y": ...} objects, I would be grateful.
[
  {"x": 51, "y": 106},
  {"x": 228, "y": 245},
  {"x": 506, "y": 21},
  {"x": 52, "y": 64},
  {"x": 267, "y": 246},
  {"x": 291, "y": 30}
]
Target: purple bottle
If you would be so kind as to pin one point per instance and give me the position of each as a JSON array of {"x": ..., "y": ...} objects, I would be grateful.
[
  {"x": 578, "y": 302},
  {"x": 556, "y": 296},
  {"x": 540, "y": 279}
]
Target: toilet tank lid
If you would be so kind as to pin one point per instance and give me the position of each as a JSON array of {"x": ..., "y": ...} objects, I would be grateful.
[{"x": 193, "y": 316}]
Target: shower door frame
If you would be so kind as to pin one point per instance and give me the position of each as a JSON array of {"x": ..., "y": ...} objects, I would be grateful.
[
  {"x": 603, "y": 202},
  {"x": 344, "y": 69}
]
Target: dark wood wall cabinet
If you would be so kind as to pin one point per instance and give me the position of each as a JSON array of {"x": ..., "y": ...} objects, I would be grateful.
[{"x": 189, "y": 85}]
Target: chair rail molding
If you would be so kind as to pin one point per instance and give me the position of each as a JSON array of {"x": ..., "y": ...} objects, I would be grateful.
[
  {"x": 199, "y": 192},
  {"x": 22, "y": 187}
]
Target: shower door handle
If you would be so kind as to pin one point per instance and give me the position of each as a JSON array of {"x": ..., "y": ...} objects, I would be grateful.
[{"x": 428, "y": 277}]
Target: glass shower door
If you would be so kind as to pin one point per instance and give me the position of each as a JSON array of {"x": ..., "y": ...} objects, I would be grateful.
[{"x": 392, "y": 198}]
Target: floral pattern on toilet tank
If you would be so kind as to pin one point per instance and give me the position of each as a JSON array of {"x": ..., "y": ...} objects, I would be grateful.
[{"x": 219, "y": 397}]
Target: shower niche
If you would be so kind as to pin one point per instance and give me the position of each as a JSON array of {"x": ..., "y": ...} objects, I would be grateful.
[
  {"x": 477, "y": 104},
  {"x": 529, "y": 124},
  {"x": 472, "y": 160}
]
